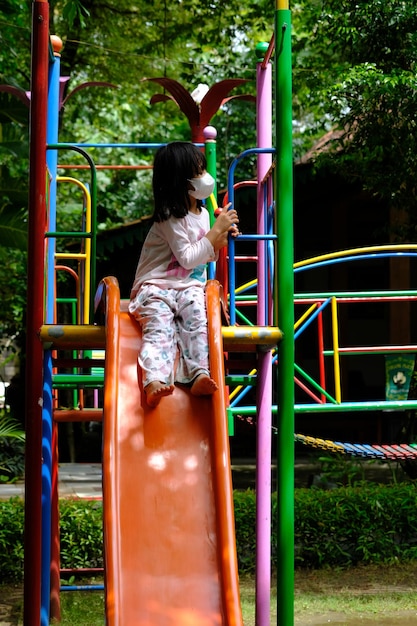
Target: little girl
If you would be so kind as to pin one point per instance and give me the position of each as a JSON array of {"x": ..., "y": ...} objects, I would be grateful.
[{"x": 168, "y": 297}]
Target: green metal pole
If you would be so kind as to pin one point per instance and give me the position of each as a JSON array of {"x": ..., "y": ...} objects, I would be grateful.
[
  {"x": 210, "y": 134},
  {"x": 285, "y": 292}
]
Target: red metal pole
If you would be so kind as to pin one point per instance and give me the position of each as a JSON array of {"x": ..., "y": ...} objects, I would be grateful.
[{"x": 35, "y": 312}]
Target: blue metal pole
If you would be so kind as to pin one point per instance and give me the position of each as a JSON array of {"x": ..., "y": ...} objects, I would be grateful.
[
  {"x": 46, "y": 487},
  {"x": 51, "y": 163}
]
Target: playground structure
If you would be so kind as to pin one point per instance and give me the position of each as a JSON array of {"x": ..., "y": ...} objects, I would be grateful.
[
  {"x": 200, "y": 582},
  {"x": 174, "y": 452}
]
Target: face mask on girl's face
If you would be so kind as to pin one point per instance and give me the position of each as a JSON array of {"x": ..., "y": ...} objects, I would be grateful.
[{"x": 203, "y": 186}]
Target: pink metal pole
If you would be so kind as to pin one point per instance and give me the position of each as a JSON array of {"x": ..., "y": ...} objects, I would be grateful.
[
  {"x": 264, "y": 384},
  {"x": 35, "y": 309},
  {"x": 263, "y": 489},
  {"x": 322, "y": 364},
  {"x": 264, "y": 140}
]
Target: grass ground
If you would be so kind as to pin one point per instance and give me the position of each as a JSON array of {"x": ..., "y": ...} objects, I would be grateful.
[{"x": 360, "y": 596}]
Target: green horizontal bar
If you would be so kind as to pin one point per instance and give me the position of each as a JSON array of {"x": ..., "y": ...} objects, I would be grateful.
[
  {"x": 60, "y": 379},
  {"x": 240, "y": 379},
  {"x": 63, "y": 233},
  {"x": 246, "y": 298},
  {"x": 336, "y": 408},
  {"x": 75, "y": 387},
  {"x": 377, "y": 405}
]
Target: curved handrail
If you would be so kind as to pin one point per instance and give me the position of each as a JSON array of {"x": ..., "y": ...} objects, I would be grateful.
[
  {"x": 84, "y": 256},
  {"x": 394, "y": 248}
]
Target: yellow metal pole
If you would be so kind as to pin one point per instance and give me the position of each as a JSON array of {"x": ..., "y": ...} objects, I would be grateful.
[{"x": 305, "y": 316}]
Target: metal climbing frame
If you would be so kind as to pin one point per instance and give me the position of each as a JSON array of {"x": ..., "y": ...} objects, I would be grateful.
[{"x": 40, "y": 481}]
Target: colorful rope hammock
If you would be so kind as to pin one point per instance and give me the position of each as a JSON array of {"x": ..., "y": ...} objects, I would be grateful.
[{"x": 391, "y": 452}]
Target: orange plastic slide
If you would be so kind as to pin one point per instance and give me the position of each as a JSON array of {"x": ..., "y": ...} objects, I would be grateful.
[{"x": 170, "y": 555}]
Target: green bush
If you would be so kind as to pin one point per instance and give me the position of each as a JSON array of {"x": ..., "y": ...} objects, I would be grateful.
[
  {"x": 340, "y": 527},
  {"x": 81, "y": 533},
  {"x": 346, "y": 526},
  {"x": 11, "y": 540},
  {"x": 245, "y": 529},
  {"x": 12, "y": 460},
  {"x": 12, "y": 448}
]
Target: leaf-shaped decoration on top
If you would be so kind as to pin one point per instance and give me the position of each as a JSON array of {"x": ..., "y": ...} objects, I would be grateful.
[
  {"x": 245, "y": 97},
  {"x": 181, "y": 97},
  {"x": 13, "y": 228},
  {"x": 85, "y": 85},
  {"x": 215, "y": 97},
  {"x": 24, "y": 96},
  {"x": 161, "y": 97},
  {"x": 198, "y": 116}
]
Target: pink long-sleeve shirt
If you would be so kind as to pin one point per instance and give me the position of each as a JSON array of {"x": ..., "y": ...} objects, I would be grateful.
[{"x": 175, "y": 253}]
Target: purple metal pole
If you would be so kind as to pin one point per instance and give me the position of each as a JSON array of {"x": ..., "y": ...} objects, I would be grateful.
[
  {"x": 34, "y": 312},
  {"x": 264, "y": 385},
  {"x": 264, "y": 140},
  {"x": 263, "y": 489}
]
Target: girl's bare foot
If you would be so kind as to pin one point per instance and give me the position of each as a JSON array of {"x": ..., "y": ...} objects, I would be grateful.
[
  {"x": 203, "y": 386},
  {"x": 157, "y": 390}
]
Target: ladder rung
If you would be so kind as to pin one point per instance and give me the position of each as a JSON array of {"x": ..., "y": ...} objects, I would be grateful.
[
  {"x": 78, "y": 415},
  {"x": 237, "y": 379},
  {"x": 84, "y": 363},
  {"x": 77, "y": 380}
]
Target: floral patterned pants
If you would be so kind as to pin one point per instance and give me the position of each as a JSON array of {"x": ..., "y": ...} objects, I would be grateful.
[{"x": 171, "y": 319}]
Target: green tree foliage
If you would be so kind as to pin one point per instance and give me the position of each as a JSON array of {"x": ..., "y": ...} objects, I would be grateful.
[
  {"x": 12, "y": 291},
  {"x": 355, "y": 68},
  {"x": 119, "y": 43},
  {"x": 15, "y": 38},
  {"x": 125, "y": 43}
]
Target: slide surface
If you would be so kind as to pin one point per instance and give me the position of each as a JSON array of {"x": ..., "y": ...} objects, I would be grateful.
[{"x": 170, "y": 555}]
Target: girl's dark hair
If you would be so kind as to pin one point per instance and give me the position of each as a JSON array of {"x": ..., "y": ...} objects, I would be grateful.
[{"x": 174, "y": 165}]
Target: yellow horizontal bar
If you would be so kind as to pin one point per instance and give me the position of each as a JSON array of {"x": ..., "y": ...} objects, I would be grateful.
[
  {"x": 252, "y": 335},
  {"x": 72, "y": 336},
  {"x": 68, "y": 255}
]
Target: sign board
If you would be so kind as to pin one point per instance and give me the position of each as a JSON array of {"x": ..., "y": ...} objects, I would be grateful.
[{"x": 398, "y": 371}]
